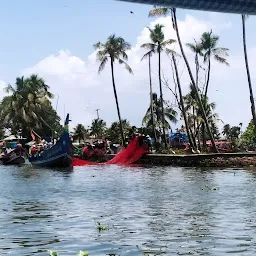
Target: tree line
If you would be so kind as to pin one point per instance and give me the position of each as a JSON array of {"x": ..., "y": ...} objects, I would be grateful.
[
  {"x": 196, "y": 110},
  {"x": 28, "y": 105}
]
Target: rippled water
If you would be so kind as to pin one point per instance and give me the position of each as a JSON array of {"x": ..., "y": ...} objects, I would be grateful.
[{"x": 149, "y": 211}]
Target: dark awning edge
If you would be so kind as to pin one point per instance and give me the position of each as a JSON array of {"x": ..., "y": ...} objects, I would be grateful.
[{"x": 226, "y": 6}]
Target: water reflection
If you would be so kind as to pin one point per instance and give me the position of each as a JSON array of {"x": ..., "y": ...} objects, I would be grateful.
[{"x": 149, "y": 211}]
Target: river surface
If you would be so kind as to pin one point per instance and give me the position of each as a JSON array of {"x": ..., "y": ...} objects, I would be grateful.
[{"x": 148, "y": 211}]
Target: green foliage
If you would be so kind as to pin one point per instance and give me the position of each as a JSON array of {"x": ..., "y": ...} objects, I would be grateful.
[
  {"x": 113, "y": 133},
  {"x": 231, "y": 132},
  {"x": 28, "y": 107},
  {"x": 169, "y": 113},
  {"x": 80, "y": 133},
  {"x": 248, "y": 138},
  {"x": 98, "y": 128},
  {"x": 100, "y": 227},
  {"x": 53, "y": 253}
]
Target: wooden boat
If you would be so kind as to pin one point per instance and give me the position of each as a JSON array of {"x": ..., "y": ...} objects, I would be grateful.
[
  {"x": 59, "y": 155},
  {"x": 15, "y": 157}
]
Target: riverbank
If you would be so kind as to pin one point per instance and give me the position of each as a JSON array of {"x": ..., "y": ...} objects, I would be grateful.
[{"x": 199, "y": 160}]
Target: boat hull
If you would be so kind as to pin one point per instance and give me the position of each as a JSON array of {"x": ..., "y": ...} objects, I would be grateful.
[
  {"x": 19, "y": 160},
  {"x": 60, "y": 155},
  {"x": 63, "y": 161}
]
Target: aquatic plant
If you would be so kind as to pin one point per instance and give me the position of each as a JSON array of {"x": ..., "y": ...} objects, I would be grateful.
[{"x": 101, "y": 228}]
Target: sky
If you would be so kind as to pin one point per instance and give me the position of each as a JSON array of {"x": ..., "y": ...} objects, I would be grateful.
[{"x": 54, "y": 39}]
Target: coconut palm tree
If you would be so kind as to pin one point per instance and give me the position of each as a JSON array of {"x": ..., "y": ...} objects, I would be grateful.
[
  {"x": 114, "y": 49},
  {"x": 163, "y": 12},
  {"x": 248, "y": 72},
  {"x": 190, "y": 135},
  {"x": 28, "y": 104},
  {"x": 113, "y": 133},
  {"x": 209, "y": 48},
  {"x": 196, "y": 48},
  {"x": 148, "y": 56},
  {"x": 170, "y": 115},
  {"x": 98, "y": 128},
  {"x": 157, "y": 45},
  {"x": 80, "y": 133}
]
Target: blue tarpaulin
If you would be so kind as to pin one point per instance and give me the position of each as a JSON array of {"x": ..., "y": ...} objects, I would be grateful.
[{"x": 179, "y": 135}]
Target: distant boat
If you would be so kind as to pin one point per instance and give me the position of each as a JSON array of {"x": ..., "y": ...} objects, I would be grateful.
[
  {"x": 15, "y": 157},
  {"x": 59, "y": 155}
]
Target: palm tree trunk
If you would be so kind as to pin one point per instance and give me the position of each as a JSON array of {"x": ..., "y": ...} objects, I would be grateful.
[
  {"x": 151, "y": 98},
  {"x": 204, "y": 137},
  {"x": 197, "y": 69},
  {"x": 248, "y": 73},
  {"x": 198, "y": 138},
  {"x": 117, "y": 104},
  {"x": 193, "y": 81},
  {"x": 161, "y": 95},
  {"x": 208, "y": 77},
  {"x": 191, "y": 140}
]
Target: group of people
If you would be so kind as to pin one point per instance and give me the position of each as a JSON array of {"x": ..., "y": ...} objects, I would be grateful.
[
  {"x": 97, "y": 148},
  {"x": 143, "y": 139},
  {"x": 40, "y": 146}
]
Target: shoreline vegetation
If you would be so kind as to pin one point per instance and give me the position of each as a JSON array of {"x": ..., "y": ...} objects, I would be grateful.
[{"x": 28, "y": 108}]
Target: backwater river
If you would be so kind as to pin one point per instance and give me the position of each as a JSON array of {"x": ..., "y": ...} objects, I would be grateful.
[{"x": 148, "y": 211}]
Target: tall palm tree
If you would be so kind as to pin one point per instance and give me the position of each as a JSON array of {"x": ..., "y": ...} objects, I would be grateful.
[
  {"x": 98, "y": 128},
  {"x": 182, "y": 106},
  {"x": 80, "y": 133},
  {"x": 149, "y": 55},
  {"x": 170, "y": 115},
  {"x": 197, "y": 49},
  {"x": 163, "y": 12},
  {"x": 209, "y": 47},
  {"x": 248, "y": 72},
  {"x": 114, "y": 49},
  {"x": 157, "y": 45}
]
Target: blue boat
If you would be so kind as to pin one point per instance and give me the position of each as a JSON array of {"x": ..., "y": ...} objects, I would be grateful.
[{"x": 59, "y": 155}]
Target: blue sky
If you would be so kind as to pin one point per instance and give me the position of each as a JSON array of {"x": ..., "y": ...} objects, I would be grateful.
[{"x": 32, "y": 30}]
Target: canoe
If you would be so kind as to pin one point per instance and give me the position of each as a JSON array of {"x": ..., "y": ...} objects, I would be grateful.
[
  {"x": 13, "y": 158},
  {"x": 59, "y": 155}
]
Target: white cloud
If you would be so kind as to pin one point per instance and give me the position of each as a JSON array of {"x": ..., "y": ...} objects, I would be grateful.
[{"x": 81, "y": 90}]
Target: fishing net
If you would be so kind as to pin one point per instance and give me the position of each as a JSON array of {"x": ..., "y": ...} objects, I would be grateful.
[{"x": 130, "y": 155}]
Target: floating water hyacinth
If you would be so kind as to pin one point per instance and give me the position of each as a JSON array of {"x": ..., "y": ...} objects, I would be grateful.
[{"x": 101, "y": 228}]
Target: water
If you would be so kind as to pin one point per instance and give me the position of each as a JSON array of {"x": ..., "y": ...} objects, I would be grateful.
[{"x": 149, "y": 211}]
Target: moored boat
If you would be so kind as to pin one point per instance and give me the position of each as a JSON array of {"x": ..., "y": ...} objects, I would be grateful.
[
  {"x": 15, "y": 157},
  {"x": 59, "y": 155}
]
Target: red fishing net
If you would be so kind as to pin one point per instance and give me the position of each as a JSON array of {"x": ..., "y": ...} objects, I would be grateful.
[{"x": 130, "y": 155}]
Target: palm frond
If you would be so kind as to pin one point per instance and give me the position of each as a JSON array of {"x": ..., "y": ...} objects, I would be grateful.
[
  {"x": 148, "y": 54},
  {"x": 168, "y": 42},
  {"x": 126, "y": 65},
  {"x": 103, "y": 64},
  {"x": 149, "y": 46},
  {"x": 221, "y": 60}
]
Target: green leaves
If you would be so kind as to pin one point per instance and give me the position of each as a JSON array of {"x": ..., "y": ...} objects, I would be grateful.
[
  {"x": 53, "y": 253},
  {"x": 115, "y": 49},
  {"x": 100, "y": 227},
  {"x": 81, "y": 253},
  {"x": 26, "y": 106}
]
